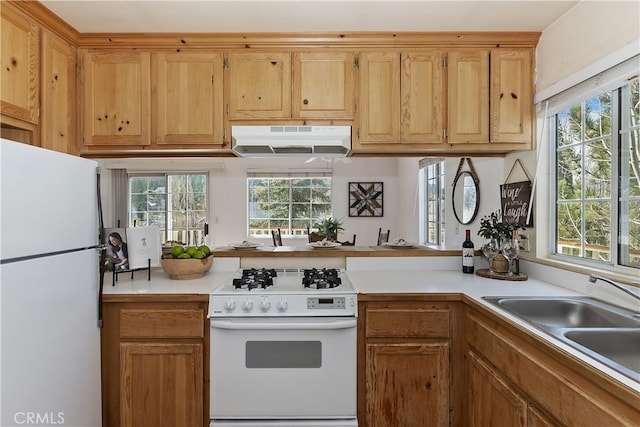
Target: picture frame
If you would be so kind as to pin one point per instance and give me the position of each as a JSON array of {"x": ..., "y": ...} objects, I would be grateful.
[{"x": 366, "y": 199}]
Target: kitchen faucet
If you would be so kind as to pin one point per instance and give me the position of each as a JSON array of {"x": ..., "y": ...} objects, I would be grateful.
[{"x": 594, "y": 277}]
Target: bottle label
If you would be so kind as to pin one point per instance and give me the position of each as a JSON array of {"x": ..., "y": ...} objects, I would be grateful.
[{"x": 467, "y": 257}]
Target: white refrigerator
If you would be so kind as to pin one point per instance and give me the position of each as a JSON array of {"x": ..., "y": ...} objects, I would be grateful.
[{"x": 49, "y": 288}]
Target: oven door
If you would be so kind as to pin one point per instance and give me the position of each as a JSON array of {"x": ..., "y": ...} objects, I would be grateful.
[{"x": 283, "y": 368}]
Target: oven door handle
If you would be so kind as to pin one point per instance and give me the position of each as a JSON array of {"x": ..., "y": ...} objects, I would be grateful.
[{"x": 336, "y": 324}]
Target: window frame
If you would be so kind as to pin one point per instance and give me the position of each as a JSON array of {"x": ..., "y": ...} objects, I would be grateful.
[
  {"x": 617, "y": 109},
  {"x": 290, "y": 177},
  {"x": 164, "y": 232},
  {"x": 437, "y": 166}
]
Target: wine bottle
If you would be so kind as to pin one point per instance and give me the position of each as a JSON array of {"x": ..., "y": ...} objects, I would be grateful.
[{"x": 467, "y": 254}]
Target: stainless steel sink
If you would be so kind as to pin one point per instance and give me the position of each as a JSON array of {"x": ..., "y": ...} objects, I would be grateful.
[
  {"x": 605, "y": 332},
  {"x": 619, "y": 345},
  {"x": 568, "y": 313}
]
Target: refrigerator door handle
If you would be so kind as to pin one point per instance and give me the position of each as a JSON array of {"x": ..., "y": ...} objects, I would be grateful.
[{"x": 102, "y": 246}]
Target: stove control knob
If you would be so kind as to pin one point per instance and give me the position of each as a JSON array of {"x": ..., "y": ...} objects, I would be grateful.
[
  {"x": 230, "y": 305},
  {"x": 282, "y": 305},
  {"x": 265, "y": 305},
  {"x": 247, "y": 305}
]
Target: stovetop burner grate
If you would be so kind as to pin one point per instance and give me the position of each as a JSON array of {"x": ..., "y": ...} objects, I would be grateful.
[
  {"x": 255, "y": 278},
  {"x": 324, "y": 278}
]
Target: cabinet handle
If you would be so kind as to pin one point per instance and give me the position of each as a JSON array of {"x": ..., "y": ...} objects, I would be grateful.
[{"x": 305, "y": 101}]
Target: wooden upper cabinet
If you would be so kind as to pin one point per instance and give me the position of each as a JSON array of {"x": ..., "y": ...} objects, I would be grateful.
[
  {"x": 468, "y": 96},
  {"x": 259, "y": 85},
  {"x": 512, "y": 96},
  {"x": 20, "y": 61},
  {"x": 116, "y": 98},
  {"x": 188, "y": 108},
  {"x": 402, "y": 97},
  {"x": 323, "y": 85},
  {"x": 58, "y": 131},
  {"x": 423, "y": 97},
  {"x": 380, "y": 97}
]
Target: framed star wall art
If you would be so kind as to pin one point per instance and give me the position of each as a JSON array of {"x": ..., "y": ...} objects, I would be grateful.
[{"x": 365, "y": 199}]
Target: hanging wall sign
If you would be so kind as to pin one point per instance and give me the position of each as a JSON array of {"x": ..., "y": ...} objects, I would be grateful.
[
  {"x": 365, "y": 199},
  {"x": 515, "y": 202}
]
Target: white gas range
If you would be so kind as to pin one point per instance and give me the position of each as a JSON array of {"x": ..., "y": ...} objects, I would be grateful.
[
  {"x": 285, "y": 293},
  {"x": 283, "y": 349}
]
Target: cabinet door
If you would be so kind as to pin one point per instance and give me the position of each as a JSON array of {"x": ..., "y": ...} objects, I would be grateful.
[
  {"x": 116, "y": 98},
  {"x": 380, "y": 97},
  {"x": 407, "y": 384},
  {"x": 468, "y": 96},
  {"x": 188, "y": 105},
  {"x": 491, "y": 401},
  {"x": 259, "y": 85},
  {"x": 161, "y": 384},
  {"x": 323, "y": 85},
  {"x": 536, "y": 418},
  {"x": 58, "y": 130},
  {"x": 20, "y": 58},
  {"x": 511, "y": 96},
  {"x": 423, "y": 100}
]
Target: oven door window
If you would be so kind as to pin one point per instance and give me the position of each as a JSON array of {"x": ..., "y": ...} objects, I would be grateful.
[{"x": 283, "y": 354}]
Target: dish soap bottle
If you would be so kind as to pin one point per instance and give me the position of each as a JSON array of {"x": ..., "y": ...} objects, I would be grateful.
[{"x": 467, "y": 254}]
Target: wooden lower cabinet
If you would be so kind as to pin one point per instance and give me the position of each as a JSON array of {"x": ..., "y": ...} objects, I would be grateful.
[
  {"x": 492, "y": 401},
  {"x": 155, "y": 364},
  {"x": 406, "y": 364},
  {"x": 514, "y": 379}
]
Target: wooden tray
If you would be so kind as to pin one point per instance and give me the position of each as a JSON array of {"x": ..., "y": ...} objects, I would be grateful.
[{"x": 484, "y": 272}]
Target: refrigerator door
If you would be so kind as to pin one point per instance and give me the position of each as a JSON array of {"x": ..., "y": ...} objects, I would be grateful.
[
  {"x": 50, "y": 354},
  {"x": 49, "y": 201}
]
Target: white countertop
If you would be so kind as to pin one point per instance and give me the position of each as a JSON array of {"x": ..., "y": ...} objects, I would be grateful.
[
  {"x": 160, "y": 283},
  {"x": 382, "y": 282}
]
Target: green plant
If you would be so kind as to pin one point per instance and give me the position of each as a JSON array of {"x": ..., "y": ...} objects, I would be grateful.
[
  {"x": 329, "y": 227},
  {"x": 492, "y": 227}
]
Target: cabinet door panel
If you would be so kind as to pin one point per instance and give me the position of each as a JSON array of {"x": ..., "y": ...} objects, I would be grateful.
[
  {"x": 491, "y": 400},
  {"x": 380, "y": 97},
  {"x": 58, "y": 95},
  {"x": 20, "y": 66},
  {"x": 188, "y": 108},
  {"x": 422, "y": 97},
  {"x": 511, "y": 96},
  {"x": 468, "y": 78},
  {"x": 323, "y": 85},
  {"x": 161, "y": 384},
  {"x": 407, "y": 384},
  {"x": 116, "y": 95},
  {"x": 259, "y": 85}
]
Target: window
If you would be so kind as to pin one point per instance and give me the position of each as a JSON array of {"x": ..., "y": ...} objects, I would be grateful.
[
  {"x": 597, "y": 170},
  {"x": 432, "y": 204},
  {"x": 289, "y": 203},
  {"x": 176, "y": 203}
]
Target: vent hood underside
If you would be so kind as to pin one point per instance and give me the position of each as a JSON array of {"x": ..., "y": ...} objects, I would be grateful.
[{"x": 291, "y": 141}]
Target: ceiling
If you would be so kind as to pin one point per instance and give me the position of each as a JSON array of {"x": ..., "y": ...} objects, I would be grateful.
[{"x": 185, "y": 16}]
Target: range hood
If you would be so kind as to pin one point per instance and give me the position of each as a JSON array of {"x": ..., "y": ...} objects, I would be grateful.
[{"x": 291, "y": 141}]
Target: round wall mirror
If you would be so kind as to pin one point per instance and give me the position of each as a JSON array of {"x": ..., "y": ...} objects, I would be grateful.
[{"x": 466, "y": 198}]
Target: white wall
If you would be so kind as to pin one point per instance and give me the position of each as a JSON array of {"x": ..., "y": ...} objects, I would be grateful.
[
  {"x": 490, "y": 173},
  {"x": 229, "y": 196},
  {"x": 588, "y": 32},
  {"x": 588, "y": 39},
  {"x": 228, "y": 193}
]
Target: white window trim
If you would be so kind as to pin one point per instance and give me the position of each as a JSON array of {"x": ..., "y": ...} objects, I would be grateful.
[{"x": 544, "y": 180}]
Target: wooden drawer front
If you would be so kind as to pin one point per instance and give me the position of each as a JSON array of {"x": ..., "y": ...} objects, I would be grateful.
[
  {"x": 159, "y": 323},
  {"x": 412, "y": 322}
]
